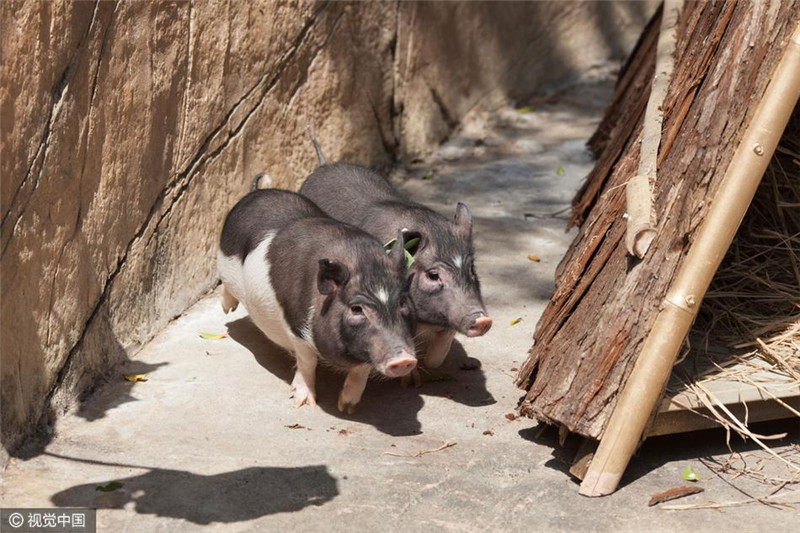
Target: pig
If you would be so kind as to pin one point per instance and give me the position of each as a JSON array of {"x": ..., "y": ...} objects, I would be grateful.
[
  {"x": 320, "y": 289},
  {"x": 443, "y": 283}
]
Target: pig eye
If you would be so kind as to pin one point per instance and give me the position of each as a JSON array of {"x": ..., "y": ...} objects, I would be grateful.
[
  {"x": 356, "y": 310},
  {"x": 432, "y": 275}
]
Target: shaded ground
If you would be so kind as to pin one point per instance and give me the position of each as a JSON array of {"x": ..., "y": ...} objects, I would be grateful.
[{"x": 211, "y": 437}]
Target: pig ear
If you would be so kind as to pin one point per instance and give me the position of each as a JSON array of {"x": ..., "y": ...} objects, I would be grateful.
[
  {"x": 404, "y": 247},
  {"x": 397, "y": 253},
  {"x": 463, "y": 220},
  {"x": 331, "y": 276}
]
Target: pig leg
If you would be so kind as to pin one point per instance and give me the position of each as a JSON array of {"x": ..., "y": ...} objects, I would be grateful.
[
  {"x": 303, "y": 390},
  {"x": 413, "y": 375},
  {"x": 229, "y": 301},
  {"x": 353, "y": 388},
  {"x": 439, "y": 347}
]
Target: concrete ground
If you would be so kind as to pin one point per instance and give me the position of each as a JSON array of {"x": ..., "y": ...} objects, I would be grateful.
[{"x": 211, "y": 438}]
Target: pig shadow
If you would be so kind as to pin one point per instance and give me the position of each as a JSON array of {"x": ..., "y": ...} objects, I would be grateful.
[
  {"x": 460, "y": 378},
  {"x": 385, "y": 405},
  {"x": 236, "y": 496},
  {"x": 269, "y": 355}
]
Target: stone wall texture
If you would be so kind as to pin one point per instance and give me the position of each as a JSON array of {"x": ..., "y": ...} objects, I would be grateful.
[{"x": 130, "y": 128}]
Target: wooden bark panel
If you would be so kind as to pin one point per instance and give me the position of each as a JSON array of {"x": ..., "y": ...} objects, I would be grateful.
[{"x": 588, "y": 338}]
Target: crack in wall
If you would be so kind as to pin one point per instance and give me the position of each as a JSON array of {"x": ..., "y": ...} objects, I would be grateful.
[
  {"x": 393, "y": 112},
  {"x": 187, "y": 85},
  {"x": 448, "y": 118},
  {"x": 304, "y": 73},
  {"x": 200, "y": 159},
  {"x": 59, "y": 92},
  {"x": 181, "y": 184},
  {"x": 387, "y": 146}
]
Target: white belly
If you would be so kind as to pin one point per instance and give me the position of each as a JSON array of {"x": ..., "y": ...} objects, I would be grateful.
[{"x": 250, "y": 283}]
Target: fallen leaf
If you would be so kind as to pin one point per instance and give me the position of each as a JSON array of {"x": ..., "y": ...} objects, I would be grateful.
[
  {"x": 296, "y": 426},
  {"x": 488, "y": 432},
  {"x": 516, "y": 321},
  {"x": 511, "y": 416},
  {"x": 560, "y": 170},
  {"x": 689, "y": 475},
  {"x": 673, "y": 494},
  {"x": 514, "y": 369},
  {"x": 428, "y": 176},
  {"x": 526, "y": 109},
  {"x": 111, "y": 487},
  {"x": 213, "y": 336},
  {"x": 534, "y": 258},
  {"x": 343, "y": 432},
  {"x": 133, "y": 378}
]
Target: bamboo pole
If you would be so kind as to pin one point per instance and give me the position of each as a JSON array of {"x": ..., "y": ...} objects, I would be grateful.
[
  {"x": 654, "y": 364},
  {"x": 641, "y": 222}
]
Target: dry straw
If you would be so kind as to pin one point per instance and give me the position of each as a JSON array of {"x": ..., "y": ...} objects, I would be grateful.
[
  {"x": 748, "y": 328},
  {"x": 750, "y": 318}
]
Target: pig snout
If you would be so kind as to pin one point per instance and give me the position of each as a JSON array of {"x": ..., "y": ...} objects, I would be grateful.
[
  {"x": 479, "y": 324},
  {"x": 400, "y": 365}
]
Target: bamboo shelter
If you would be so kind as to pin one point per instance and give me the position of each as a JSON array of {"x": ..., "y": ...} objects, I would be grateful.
[{"x": 605, "y": 346}]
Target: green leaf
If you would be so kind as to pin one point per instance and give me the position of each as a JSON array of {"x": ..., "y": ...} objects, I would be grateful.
[
  {"x": 516, "y": 321},
  {"x": 213, "y": 336},
  {"x": 690, "y": 475},
  {"x": 560, "y": 170},
  {"x": 428, "y": 176},
  {"x": 409, "y": 259},
  {"x": 111, "y": 487},
  {"x": 410, "y": 244},
  {"x": 526, "y": 109}
]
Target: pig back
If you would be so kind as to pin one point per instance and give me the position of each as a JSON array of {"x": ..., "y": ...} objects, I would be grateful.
[
  {"x": 348, "y": 192},
  {"x": 259, "y": 213},
  {"x": 362, "y": 197}
]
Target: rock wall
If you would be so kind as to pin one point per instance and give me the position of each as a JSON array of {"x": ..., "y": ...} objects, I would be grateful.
[{"x": 130, "y": 128}]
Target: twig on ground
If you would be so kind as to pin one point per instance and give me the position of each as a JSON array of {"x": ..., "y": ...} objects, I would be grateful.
[
  {"x": 768, "y": 500},
  {"x": 448, "y": 444}
]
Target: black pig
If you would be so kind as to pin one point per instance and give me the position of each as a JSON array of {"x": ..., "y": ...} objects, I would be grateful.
[
  {"x": 319, "y": 289},
  {"x": 443, "y": 284}
]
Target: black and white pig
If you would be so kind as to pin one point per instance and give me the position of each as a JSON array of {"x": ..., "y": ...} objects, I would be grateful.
[
  {"x": 443, "y": 284},
  {"x": 319, "y": 288}
]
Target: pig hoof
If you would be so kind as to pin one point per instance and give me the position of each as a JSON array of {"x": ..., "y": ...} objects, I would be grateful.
[
  {"x": 344, "y": 406},
  {"x": 229, "y": 302},
  {"x": 413, "y": 375},
  {"x": 303, "y": 396}
]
